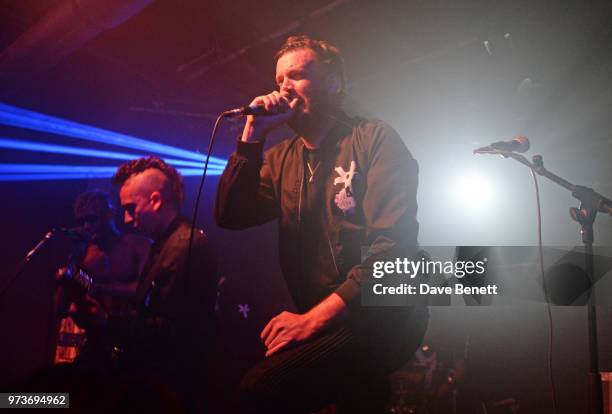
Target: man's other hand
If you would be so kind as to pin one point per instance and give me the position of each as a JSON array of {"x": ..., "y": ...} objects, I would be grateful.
[{"x": 287, "y": 329}]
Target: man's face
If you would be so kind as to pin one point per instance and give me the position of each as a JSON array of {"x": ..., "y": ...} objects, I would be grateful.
[
  {"x": 138, "y": 208},
  {"x": 300, "y": 75},
  {"x": 93, "y": 222}
]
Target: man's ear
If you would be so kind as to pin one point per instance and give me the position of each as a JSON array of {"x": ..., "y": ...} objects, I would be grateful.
[
  {"x": 156, "y": 200},
  {"x": 334, "y": 83}
]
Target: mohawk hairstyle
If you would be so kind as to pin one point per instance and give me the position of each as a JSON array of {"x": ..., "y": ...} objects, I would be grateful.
[
  {"x": 130, "y": 168},
  {"x": 327, "y": 54}
]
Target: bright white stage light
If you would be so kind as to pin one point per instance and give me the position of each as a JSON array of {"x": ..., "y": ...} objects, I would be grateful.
[{"x": 473, "y": 191}]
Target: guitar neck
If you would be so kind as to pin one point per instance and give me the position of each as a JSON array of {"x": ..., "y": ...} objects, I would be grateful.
[{"x": 81, "y": 278}]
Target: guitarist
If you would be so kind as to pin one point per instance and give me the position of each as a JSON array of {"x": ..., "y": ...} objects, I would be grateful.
[
  {"x": 114, "y": 260},
  {"x": 167, "y": 334}
]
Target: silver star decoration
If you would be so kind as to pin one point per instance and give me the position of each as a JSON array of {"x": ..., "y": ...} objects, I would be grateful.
[{"x": 244, "y": 310}]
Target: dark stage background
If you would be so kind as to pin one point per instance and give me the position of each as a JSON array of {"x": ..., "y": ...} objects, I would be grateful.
[{"x": 448, "y": 75}]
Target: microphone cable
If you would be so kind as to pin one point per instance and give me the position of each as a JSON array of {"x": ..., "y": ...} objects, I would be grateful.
[
  {"x": 548, "y": 306},
  {"x": 199, "y": 194}
]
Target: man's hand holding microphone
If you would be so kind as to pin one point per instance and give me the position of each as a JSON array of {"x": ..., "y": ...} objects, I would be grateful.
[{"x": 279, "y": 109}]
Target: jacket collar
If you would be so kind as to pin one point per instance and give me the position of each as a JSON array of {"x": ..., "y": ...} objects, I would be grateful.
[
  {"x": 343, "y": 125},
  {"x": 168, "y": 231}
]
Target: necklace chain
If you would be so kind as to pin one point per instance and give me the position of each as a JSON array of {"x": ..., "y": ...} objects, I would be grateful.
[{"x": 312, "y": 170}]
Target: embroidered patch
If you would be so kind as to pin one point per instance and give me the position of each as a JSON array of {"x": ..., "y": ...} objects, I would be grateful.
[{"x": 345, "y": 199}]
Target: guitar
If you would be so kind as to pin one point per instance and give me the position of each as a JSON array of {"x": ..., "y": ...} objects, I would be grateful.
[{"x": 71, "y": 338}]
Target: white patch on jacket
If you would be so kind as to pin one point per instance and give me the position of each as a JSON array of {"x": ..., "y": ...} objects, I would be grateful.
[{"x": 345, "y": 200}]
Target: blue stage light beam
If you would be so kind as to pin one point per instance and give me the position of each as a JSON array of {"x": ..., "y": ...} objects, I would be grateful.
[
  {"x": 86, "y": 152},
  {"x": 54, "y": 177},
  {"x": 98, "y": 173},
  {"x": 55, "y": 168},
  {"x": 190, "y": 172},
  {"x": 23, "y": 118}
]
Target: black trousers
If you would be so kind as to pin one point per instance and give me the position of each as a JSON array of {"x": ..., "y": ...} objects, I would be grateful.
[{"x": 347, "y": 366}]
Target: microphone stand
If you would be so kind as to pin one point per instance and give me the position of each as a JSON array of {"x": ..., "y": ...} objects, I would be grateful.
[
  {"x": 25, "y": 261},
  {"x": 591, "y": 203},
  {"x": 22, "y": 265}
]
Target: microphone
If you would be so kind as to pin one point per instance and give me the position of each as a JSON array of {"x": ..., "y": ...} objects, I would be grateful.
[
  {"x": 517, "y": 144},
  {"x": 256, "y": 110},
  {"x": 75, "y": 234}
]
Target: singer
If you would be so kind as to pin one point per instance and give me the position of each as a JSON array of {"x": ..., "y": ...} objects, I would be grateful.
[{"x": 338, "y": 185}]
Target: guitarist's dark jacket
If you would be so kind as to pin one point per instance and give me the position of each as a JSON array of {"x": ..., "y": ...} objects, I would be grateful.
[{"x": 170, "y": 330}]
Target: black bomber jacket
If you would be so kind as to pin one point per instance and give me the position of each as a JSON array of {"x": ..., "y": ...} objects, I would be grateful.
[{"x": 369, "y": 213}]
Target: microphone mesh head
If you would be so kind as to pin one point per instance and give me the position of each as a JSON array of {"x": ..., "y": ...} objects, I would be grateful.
[{"x": 523, "y": 144}]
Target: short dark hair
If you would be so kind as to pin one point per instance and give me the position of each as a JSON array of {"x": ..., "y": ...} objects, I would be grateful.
[
  {"x": 130, "y": 168},
  {"x": 327, "y": 54},
  {"x": 97, "y": 200}
]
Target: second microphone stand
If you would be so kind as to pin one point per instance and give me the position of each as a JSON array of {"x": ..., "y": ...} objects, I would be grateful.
[{"x": 591, "y": 203}]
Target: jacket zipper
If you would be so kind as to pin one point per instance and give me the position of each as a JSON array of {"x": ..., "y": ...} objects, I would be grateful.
[
  {"x": 300, "y": 203},
  {"x": 331, "y": 249}
]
